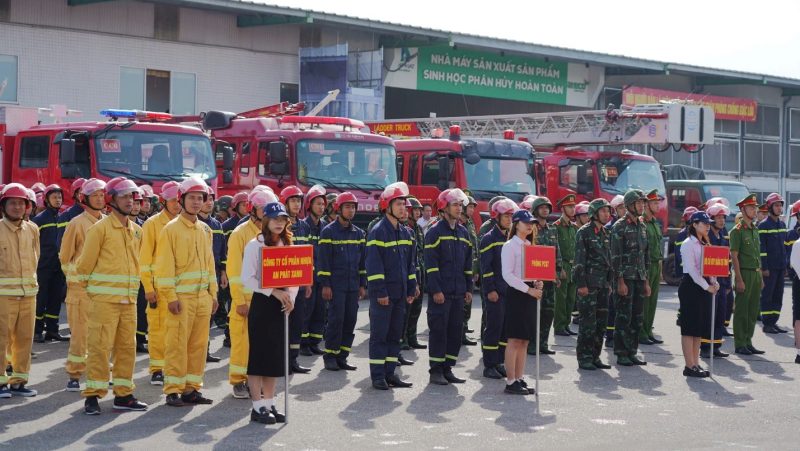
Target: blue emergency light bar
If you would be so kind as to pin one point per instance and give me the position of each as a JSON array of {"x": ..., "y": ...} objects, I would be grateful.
[{"x": 135, "y": 114}]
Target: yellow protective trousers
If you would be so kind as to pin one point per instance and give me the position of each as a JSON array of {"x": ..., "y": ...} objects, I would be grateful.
[
  {"x": 112, "y": 332},
  {"x": 157, "y": 334},
  {"x": 240, "y": 348},
  {"x": 187, "y": 344},
  {"x": 78, "y": 319},
  {"x": 18, "y": 339}
]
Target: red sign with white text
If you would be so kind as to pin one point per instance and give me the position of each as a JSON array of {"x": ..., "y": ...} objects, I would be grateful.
[
  {"x": 539, "y": 263},
  {"x": 408, "y": 129},
  {"x": 727, "y": 108},
  {"x": 287, "y": 266},
  {"x": 716, "y": 261}
]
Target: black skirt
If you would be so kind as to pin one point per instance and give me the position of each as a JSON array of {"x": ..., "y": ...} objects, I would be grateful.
[
  {"x": 265, "y": 327},
  {"x": 695, "y": 305},
  {"x": 520, "y": 315}
]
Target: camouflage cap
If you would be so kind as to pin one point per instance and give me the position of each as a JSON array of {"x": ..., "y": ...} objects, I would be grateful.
[{"x": 596, "y": 205}]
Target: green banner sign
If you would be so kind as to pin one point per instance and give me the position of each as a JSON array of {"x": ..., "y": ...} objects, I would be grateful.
[{"x": 444, "y": 69}]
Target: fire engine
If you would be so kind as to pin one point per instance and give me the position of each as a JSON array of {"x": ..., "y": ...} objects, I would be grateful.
[{"x": 135, "y": 144}]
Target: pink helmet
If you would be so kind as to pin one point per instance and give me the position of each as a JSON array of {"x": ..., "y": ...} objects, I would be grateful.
[
  {"x": 91, "y": 186},
  {"x": 772, "y": 199},
  {"x": 169, "y": 190},
  {"x": 239, "y": 198},
  {"x": 193, "y": 184},
  {"x": 718, "y": 209},
  {"x": 716, "y": 200},
  {"x": 260, "y": 199},
  {"x": 527, "y": 202},
  {"x": 15, "y": 190},
  {"x": 582, "y": 208},
  {"x": 617, "y": 201},
  {"x": 688, "y": 212},
  {"x": 449, "y": 196},
  {"x": 119, "y": 186},
  {"x": 503, "y": 206},
  {"x": 394, "y": 191}
]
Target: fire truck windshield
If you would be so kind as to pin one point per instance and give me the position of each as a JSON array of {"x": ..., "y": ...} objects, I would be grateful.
[
  {"x": 494, "y": 176},
  {"x": 619, "y": 175},
  {"x": 345, "y": 164},
  {"x": 154, "y": 155}
]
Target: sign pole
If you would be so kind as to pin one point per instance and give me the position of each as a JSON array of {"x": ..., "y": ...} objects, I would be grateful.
[
  {"x": 711, "y": 350},
  {"x": 538, "y": 349},
  {"x": 286, "y": 366}
]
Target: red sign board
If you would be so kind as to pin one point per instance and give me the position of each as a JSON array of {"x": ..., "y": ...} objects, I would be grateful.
[
  {"x": 716, "y": 261},
  {"x": 727, "y": 108},
  {"x": 287, "y": 266},
  {"x": 395, "y": 128},
  {"x": 539, "y": 263}
]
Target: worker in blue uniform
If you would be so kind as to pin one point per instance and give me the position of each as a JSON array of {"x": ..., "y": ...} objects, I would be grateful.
[{"x": 52, "y": 283}]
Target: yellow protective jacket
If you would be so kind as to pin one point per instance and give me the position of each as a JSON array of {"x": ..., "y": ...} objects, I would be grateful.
[
  {"x": 151, "y": 231},
  {"x": 184, "y": 260},
  {"x": 237, "y": 241},
  {"x": 19, "y": 257},
  {"x": 72, "y": 243},
  {"x": 108, "y": 266}
]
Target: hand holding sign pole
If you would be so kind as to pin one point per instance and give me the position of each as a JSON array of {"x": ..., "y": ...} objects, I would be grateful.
[
  {"x": 716, "y": 263},
  {"x": 538, "y": 263}
]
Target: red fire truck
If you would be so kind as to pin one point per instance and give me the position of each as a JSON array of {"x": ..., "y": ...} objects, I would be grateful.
[{"x": 133, "y": 143}]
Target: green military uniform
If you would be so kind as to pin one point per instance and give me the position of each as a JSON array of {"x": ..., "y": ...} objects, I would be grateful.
[
  {"x": 486, "y": 227},
  {"x": 745, "y": 241},
  {"x": 630, "y": 259},
  {"x": 592, "y": 270},
  {"x": 565, "y": 293},
  {"x": 654, "y": 237},
  {"x": 546, "y": 237}
]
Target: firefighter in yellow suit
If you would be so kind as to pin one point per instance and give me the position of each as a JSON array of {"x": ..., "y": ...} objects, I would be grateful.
[
  {"x": 93, "y": 200},
  {"x": 19, "y": 257},
  {"x": 241, "y": 296},
  {"x": 108, "y": 268},
  {"x": 187, "y": 283},
  {"x": 156, "y": 311}
]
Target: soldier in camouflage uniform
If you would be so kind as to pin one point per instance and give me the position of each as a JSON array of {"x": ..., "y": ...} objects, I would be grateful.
[
  {"x": 414, "y": 310},
  {"x": 654, "y": 236},
  {"x": 593, "y": 275},
  {"x": 565, "y": 294},
  {"x": 630, "y": 257},
  {"x": 466, "y": 221},
  {"x": 541, "y": 208}
]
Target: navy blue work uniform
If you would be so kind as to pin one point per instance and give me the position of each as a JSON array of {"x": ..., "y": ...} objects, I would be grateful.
[
  {"x": 314, "y": 319},
  {"x": 52, "y": 283},
  {"x": 297, "y": 316},
  {"x": 391, "y": 273},
  {"x": 773, "y": 236},
  {"x": 67, "y": 216},
  {"x": 493, "y": 335},
  {"x": 224, "y": 294},
  {"x": 724, "y": 297},
  {"x": 341, "y": 257},
  {"x": 219, "y": 249},
  {"x": 448, "y": 263}
]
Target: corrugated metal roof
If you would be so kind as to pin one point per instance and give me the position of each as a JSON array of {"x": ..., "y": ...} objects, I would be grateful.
[{"x": 477, "y": 41}]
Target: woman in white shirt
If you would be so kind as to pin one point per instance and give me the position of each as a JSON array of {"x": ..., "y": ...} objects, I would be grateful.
[
  {"x": 794, "y": 261},
  {"x": 520, "y": 319},
  {"x": 696, "y": 293},
  {"x": 265, "y": 320}
]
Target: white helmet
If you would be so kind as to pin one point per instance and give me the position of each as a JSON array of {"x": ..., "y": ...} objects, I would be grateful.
[{"x": 617, "y": 201}]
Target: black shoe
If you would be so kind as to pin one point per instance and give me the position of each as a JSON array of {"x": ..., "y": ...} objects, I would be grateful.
[
  {"x": 797, "y": 358},
  {"x": 516, "y": 388},
  {"x": 305, "y": 351},
  {"x": 174, "y": 400},
  {"x": 546, "y": 351},
  {"x": 55, "y": 336},
  {"x": 141, "y": 348},
  {"x": 39, "y": 338},
  {"x": 157, "y": 378},
  {"x": 770, "y": 329},
  {"x": 343, "y": 365},
  {"x": 295, "y": 367},
  {"x": 404, "y": 361},
  {"x": 754, "y": 350},
  {"x": 743, "y": 351},
  {"x": 637, "y": 361},
  {"x": 692, "y": 372},
  {"x": 467, "y": 342},
  {"x": 524, "y": 384},
  {"x": 501, "y": 369},
  {"x": 417, "y": 345},
  {"x": 405, "y": 347},
  {"x": 212, "y": 358},
  {"x": 624, "y": 361},
  {"x": 331, "y": 365},
  {"x": 129, "y": 403},
  {"x": 705, "y": 354},
  {"x": 263, "y": 416},
  {"x": 226, "y": 343},
  {"x": 380, "y": 384},
  {"x": 655, "y": 340},
  {"x": 91, "y": 406},
  {"x": 562, "y": 333},
  {"x": 279, "y": 417},
  {"x": 393, "y": 381},
  {"x": 315, "y": 349},
  {"x": 437, "y": 378},
  {"x": 195, "y": 397},
  {"x": 492, "y": 373},
  {"x": 718, "y": 353},
  {"x": 589, "y": 366},
  {"x": 448, "y": 374},
  {"x": 600, "y": 365},
  {"x": 780, "y": 329},
  {"x": 645, "y": 341},
  {"x": 702, "y": 371}
]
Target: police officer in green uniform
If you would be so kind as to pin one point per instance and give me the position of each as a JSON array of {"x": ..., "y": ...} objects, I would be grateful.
[
  {"x": 565, "y": 294},
  {"x": 466, "y": 221},
  {"x": 630, "y": 258},
  {"x": 593, "y": 276},
  {"x": 541, "y": 208},
  {"x": 653, "y": 228},
  {"x": 746, "y": 255}
]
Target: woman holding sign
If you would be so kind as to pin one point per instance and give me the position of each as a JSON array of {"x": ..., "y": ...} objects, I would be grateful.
[
  {"x": 265, "y": 320},
  {"x": 695, "y": 294},
  {"x": 521, "y": 301}
]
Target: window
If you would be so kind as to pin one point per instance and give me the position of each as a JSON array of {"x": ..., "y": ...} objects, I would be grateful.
[
  {"x": 400, "y": 162},
  {"x": 290, "y": 92},
  {"x": 412, "y": 170},
  {"x": 166, "y": 22},
  {"x": 761, "y": 157},
  {"x": 8, "y": 78},
  {"x": 350, "y": 164},
  {"x": 726, "y": 127},
  {"x": 244, "y": 163},
  {"x": 157, "y": 90},
  {"x": 35, "y": 152},
  {"x": 263, "y": 159},
  {"x": 722, "y": 156},
  {"x": 579, "y": 177},
  {"x": 767, "y": 122},
  {"x": 182, "y": 91},
  {"x": 794, "y": 124},
  {"x": 682, "y": 157},
  {"x": 794, "y": 159},
  {"x": 430, "y": 173},
  {"x": 131, "y": 88}
]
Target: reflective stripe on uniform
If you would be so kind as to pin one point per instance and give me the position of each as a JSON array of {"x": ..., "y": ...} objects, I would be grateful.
[
  {"x": 489, "y": 247},
  {"x": 388, "y": 243},
  {"x": 236, "y": 369},
  {"x": 334, "y": 242},
  {"x": 376, "y": 277}
]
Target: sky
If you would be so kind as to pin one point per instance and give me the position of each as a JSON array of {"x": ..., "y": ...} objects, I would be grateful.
[{"x": 761, "y": 37}]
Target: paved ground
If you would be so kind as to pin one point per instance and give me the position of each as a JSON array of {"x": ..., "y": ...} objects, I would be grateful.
[{"x": 753, "y": 402}]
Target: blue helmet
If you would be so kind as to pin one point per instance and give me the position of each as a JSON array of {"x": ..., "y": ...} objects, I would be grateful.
[
  {"x": 700, "y": 216},
  {"x": 275, "y": 209},
  {"x": 524, "y": 216}
]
